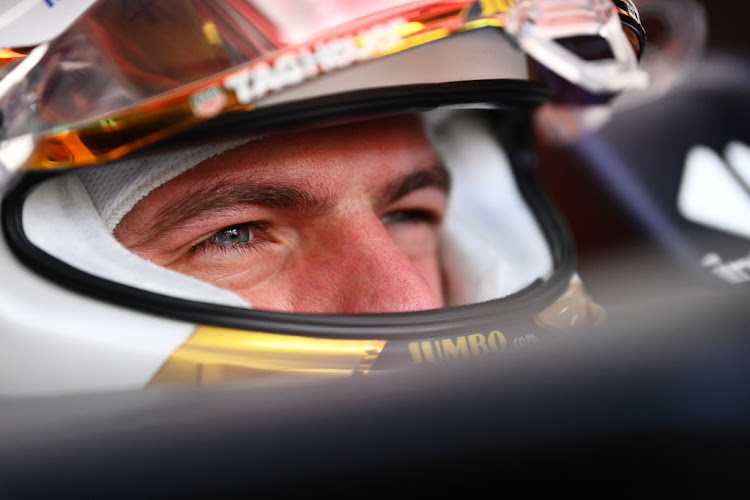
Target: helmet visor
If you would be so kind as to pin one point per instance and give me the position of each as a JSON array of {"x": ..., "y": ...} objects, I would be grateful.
[{"x": 128, "y": 74}]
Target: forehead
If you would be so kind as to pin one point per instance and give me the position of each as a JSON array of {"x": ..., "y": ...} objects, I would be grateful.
[
  {"x": 345, "y": 161},
  {"x": 383, "y": 147}
]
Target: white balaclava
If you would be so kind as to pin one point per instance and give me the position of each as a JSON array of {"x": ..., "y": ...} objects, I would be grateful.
[
  {"x": 73, "y": 218},
  {"x": 115, "y": 191}
]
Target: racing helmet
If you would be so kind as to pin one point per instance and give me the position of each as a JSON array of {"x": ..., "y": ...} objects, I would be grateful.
[{"x": 135, "y": 96}]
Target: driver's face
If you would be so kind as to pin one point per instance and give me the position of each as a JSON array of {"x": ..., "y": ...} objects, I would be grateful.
[{"x": 338, "y": 220}]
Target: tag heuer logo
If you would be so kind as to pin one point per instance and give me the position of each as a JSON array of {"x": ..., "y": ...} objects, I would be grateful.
[
  {"x": 208, "y": 103},
  {"x": 715, "y": 191}
]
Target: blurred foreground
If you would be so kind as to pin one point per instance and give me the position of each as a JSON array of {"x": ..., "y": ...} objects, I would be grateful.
[{"x": 657, "y": 402}]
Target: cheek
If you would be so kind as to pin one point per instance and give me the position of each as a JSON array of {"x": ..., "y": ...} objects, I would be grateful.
[
  {"x": 259, "y": 288},
  {"x": 235, "y": 269},
  {"x": 415, "y": 240},
  {"x": 269, "y": 297},
  {"x": 419, "y": 243},
  {"x": 429, "y": 268}
]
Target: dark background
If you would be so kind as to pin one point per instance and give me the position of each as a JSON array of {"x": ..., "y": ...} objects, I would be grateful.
[{"x": 601, "y": 227}]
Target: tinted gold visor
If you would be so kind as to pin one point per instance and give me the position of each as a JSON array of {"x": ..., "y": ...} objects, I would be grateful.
[{"x": 128, "y": 74}]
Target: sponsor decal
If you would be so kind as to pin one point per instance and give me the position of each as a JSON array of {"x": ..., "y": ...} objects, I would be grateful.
[
  {"x": 464, "y": 346},
  {"x": 208, "y": 103},
  {"x": 308, "y": 61}
]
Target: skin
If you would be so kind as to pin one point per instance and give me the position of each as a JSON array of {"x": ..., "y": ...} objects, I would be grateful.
[{"x": 342, "y": 219}]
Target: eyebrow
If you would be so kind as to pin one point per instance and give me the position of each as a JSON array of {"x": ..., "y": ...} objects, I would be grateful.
[
  {"x": 434, "y": 176},
  {"x": 223, "y": 195}
]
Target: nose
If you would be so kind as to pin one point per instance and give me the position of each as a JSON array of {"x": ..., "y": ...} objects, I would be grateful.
[{"x": 361, "y": 269}]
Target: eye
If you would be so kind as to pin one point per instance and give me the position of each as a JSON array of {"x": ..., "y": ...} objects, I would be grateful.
[
  {"x": 233, "y": 235},
  {"x": 237, "y": 238},
  {"x": 414, "y": 215}
]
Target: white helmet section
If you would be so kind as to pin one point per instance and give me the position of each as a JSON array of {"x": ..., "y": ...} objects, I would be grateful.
[
  {"x": 57, "y": 342},
  {"x": 27, "y": 23}
]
